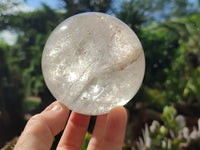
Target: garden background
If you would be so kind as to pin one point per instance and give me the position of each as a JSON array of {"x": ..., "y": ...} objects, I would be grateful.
[{"x": 163, "y": 115}]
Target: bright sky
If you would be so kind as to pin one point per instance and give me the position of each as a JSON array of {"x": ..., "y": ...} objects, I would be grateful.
[{"x": 37, "y": 3}]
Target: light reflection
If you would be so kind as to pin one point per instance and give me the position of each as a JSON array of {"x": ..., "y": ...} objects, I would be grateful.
[
  {"x": 72, "y": 77},
  {"x": 63, "y": 27}
]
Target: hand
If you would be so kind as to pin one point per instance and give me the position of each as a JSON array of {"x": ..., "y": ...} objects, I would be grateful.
[{"x": 40, "y": 130}]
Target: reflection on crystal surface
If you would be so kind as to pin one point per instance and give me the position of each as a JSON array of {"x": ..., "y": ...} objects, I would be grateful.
[{"x": 93, "y": 62}]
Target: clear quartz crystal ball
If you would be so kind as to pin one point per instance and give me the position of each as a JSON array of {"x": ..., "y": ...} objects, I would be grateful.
[{"x": 93, "y": 62}]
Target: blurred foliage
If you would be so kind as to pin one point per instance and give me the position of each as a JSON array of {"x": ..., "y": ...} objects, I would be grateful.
[
  {"x": 173, "y": 135},
  {"x": 5, "y": 6},
  {"x": 10, "y": 85},
  {"x": 184, "y": 81},
  {"x": 172, "y": 51},
  {"x": 169, "y": 32},
  {"x": 35, "y": 27},
  {"x": 12, "y": 93},
  {"x": 86, "y": 141},
  {"x": 170, "y": 39},
  {"x": 30, "y": 105},
  {"x": 78, "y": 6}
]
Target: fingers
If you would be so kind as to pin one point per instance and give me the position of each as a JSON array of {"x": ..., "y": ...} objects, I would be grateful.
[
  {"x": 108, "y": 133},
  {"x": 40, "y": 129},
  {"x": 74, "y": 132},
  {"x": 98, "y": 133},
  {"x": 38, "y": 134},
  {"x": 115, "y": 129},
  {"x": 110, "y": 136}
]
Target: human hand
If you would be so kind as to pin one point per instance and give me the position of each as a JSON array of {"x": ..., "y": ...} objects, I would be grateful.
[{"x": 40, "y": 130}]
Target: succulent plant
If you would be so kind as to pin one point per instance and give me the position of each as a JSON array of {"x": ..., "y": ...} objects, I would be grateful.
[{"x": 172, "y": 135}]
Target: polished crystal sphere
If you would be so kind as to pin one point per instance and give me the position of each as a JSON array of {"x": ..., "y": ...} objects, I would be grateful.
[{"x": 93, "y": 62}]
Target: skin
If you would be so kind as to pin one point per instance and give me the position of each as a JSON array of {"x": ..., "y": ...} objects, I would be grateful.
[{"x": 38, "y": 134}]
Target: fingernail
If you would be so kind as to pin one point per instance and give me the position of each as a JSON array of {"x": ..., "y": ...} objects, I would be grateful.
[{"x": 54, "y": 107}]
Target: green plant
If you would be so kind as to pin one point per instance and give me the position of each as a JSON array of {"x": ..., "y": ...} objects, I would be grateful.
[
  {"x": 30, "y": 104},
  {"x": 173, "y": 135},
  {"x": 86, "y": 141}
]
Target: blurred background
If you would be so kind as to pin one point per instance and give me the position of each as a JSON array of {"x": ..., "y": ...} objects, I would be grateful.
[{"x": 165, "y": 112}]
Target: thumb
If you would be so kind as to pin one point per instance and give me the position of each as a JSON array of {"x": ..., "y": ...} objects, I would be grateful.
[{"x": 41, "y": 128}]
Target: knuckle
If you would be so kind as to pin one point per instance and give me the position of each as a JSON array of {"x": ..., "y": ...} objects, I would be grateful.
[
  {"x": 35, "y": 124},
  {"x": 35, "y": 120}
]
